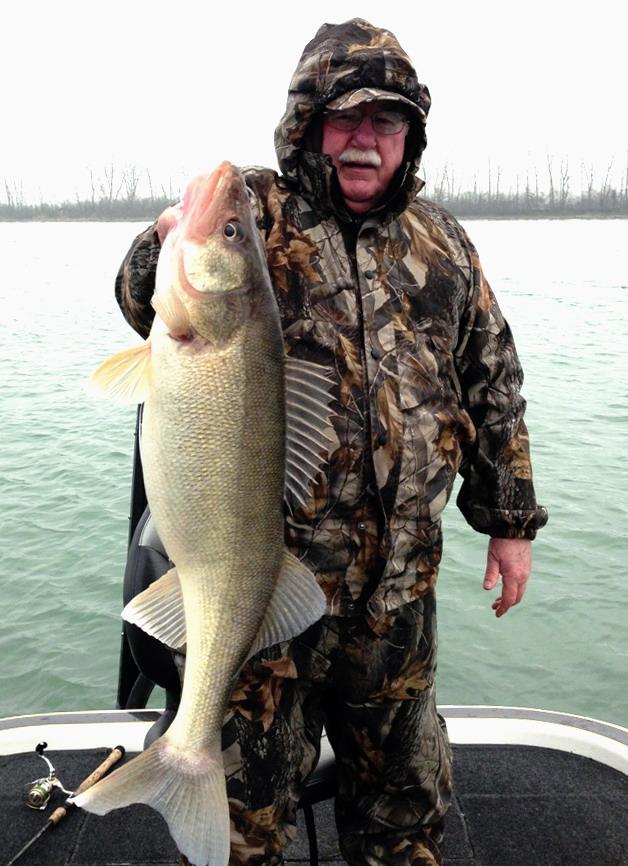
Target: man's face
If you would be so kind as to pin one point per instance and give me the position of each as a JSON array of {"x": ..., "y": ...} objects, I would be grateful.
[{"x": 364, "y": 158}]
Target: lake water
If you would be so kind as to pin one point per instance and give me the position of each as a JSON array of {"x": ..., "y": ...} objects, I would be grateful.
[{"x": 65, "y": 471}]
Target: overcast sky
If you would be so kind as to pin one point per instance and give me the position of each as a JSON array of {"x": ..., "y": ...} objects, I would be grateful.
[{"x": 174, "y": 88}]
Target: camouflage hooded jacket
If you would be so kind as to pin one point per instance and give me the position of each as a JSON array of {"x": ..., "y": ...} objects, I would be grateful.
[{"x": 427, "y": 377}]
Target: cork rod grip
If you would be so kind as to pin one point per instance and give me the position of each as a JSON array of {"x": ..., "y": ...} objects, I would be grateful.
[{"x": 112, "y": 758}]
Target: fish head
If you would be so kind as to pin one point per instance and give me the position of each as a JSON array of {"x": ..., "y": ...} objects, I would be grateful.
[{"x": 212, "y": 274}]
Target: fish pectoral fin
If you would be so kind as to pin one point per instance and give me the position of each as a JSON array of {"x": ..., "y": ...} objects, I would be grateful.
[
  {"x": 125, "y": 376},
  {"x": 297, "y": 603},
  {"x": 309, "y": 432},
  {"x": 158, "y": 610},
  {"x": 171, "y": 310},
  {"x": 187, "y": 789}
]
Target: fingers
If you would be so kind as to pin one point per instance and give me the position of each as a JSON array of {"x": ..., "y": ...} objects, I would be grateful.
[
  {"x": 491, "y": 575},
  {"x": 512, "y": 593},
  {"x": 512, "y": 558}
]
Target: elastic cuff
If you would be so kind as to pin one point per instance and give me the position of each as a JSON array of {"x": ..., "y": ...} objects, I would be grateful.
[{"x": 500, "y": 523}]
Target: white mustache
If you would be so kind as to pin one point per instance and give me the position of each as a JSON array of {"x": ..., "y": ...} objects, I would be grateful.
[{"x": 361, "y": 157}]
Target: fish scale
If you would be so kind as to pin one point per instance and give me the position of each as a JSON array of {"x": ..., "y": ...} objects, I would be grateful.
[{"x": 204, "y": 515}]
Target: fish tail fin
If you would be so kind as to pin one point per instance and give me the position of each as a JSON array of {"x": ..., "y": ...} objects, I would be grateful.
[{"x": 188, "y": 790}]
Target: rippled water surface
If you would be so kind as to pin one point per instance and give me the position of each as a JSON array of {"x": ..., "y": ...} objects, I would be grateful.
[{"x": 65, "y": 472}]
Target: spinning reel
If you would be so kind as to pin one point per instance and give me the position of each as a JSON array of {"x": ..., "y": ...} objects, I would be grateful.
[{"x": 38, "y": 792}]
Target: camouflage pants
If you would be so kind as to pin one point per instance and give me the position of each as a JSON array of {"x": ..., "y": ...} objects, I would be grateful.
[{"x": 371, "y": 684}]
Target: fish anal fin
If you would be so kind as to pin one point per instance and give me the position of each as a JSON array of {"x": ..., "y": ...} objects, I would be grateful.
[
  {"x": 158, "y": 610},
  {"x": 297, "y": 603},
  {"x": 125, "y": 377}
]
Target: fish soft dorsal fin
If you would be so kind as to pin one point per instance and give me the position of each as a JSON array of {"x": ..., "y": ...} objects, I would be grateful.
[
  {"x": 125, "y": 377},
  {"x": 297, "y": 603},
  {"x": 158, "y": 610},
  {"x": 308, "y": 428}
]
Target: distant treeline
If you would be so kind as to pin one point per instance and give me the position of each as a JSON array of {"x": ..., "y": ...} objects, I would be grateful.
[
  {"x": 462, "y": 204},
  {"x": 528, "y": 199},
  {"x": 527, "y": 206},
  {"x": 115, "y": 197},
  {"x": 104, "y": 210}
]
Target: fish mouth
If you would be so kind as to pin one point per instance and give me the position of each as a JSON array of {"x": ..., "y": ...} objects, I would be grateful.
[
  {"x": 202, "y": 202},
  {"x": 209, "y": 204}
]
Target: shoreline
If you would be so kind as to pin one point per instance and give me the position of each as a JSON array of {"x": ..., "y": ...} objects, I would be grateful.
[{"x": 584, "y": 215}]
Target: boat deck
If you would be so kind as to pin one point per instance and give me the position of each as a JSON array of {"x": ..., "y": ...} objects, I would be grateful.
[{"x": 514, "y": 806}]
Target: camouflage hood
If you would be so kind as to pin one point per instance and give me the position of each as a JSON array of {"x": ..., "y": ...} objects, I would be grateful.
[{"x": 340, "y": 60}]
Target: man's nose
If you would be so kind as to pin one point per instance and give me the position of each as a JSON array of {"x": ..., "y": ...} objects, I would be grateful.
[{"x": 364, "y": 135}]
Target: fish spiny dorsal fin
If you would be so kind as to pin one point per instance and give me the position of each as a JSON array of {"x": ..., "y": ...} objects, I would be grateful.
[
  {"x": 309, "y": 431},
  {"x": 297, "y": 603},
  {"x": 125, "y": 377},
  {"x": 158, "y": 610}
]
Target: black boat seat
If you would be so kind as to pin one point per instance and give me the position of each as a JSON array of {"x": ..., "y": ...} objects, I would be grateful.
[
  {"x": 147, "y": 561},
  {"x": 149, "y": 538}
]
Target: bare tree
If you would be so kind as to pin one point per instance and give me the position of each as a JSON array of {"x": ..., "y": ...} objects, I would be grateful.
[
  {"x": 605, "y": 191},
  {"x": 150, "y": 185},
  {"x": 564, "y": 182},
  {"x": 108, "y": 185},
  {"x": 440, "y": 189},
  {"x": 130, "y": 180},
  {"x": 451, "y": 192},
  {"x": 93, "y": 186},
  {"x": 15, "y": 193},
  {"x": 551, "y": 181},
  {"x": 588, "y": 172}
]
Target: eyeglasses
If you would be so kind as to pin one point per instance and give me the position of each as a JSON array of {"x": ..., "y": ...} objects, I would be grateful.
[{"x": 384, "y": 122}]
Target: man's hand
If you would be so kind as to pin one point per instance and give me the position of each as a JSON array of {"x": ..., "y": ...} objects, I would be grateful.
[
  {"x": 512, "y": 558},
  {"x": 168, "y": 219}
]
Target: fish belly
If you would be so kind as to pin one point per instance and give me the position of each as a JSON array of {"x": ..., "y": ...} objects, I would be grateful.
[{"x": 213, "y": 455}]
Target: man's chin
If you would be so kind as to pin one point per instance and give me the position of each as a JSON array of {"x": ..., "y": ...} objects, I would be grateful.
[
  {"x": 359, "y": 194},
  {"x": 359, "y": 204}
]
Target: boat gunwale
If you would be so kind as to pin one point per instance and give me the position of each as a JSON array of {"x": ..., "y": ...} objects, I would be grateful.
[{"x": 471, "y": 725}]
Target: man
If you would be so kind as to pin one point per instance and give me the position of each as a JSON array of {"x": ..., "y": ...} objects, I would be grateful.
[{"x": 386, "y": 289}]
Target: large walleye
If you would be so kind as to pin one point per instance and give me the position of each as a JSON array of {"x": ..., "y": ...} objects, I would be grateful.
[{"x": 216, "y": 453}]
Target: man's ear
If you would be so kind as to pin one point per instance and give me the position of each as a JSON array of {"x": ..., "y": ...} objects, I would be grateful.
[
  {"x": 313, "y": 138},
  {"x": 415, "y": 142}
]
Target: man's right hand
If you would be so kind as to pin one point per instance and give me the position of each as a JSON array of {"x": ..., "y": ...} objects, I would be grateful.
[{"x": 168, "y": 219}]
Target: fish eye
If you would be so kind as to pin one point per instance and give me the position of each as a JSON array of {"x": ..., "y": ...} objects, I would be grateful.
[{"x": 233, "y": 231}]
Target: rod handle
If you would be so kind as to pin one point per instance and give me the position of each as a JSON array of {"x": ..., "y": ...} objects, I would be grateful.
[{"x": 112, "y": 758}]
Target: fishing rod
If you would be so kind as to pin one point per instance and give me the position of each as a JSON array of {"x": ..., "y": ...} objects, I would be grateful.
[{"x": 41, "y": 788}]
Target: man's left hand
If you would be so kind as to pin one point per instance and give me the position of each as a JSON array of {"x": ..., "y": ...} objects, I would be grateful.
[{"x": 512, "y": 558}]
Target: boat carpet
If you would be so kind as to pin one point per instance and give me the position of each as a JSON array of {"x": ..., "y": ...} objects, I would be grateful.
[{"x": 513, "y": 806}]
